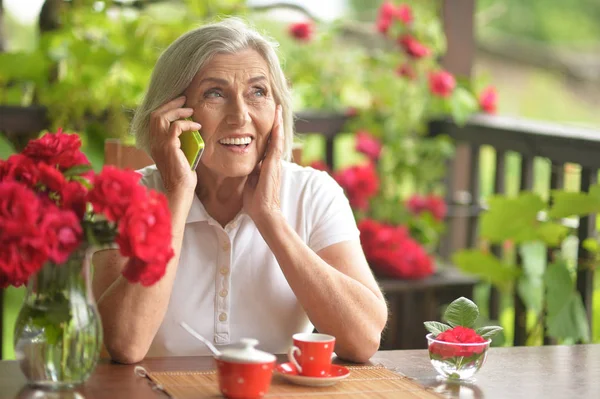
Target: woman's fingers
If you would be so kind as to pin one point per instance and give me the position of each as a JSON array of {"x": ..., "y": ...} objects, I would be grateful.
[
  {"x": 175, "y": 103},
  {"x": 181, "y": 126},
  {"x": 275, "y": 150},
  {"x": 175, "y": 114}
]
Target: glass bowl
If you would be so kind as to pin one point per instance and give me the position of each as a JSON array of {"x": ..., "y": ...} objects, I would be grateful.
[{"x": 455, "y": 360}]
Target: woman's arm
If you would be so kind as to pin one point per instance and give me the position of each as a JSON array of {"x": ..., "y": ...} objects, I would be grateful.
[
  {"x": 335, "y": 287},
  {"x": 131, "y": 314}
]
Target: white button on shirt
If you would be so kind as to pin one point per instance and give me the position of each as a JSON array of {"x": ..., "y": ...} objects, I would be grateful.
[{"x": 229, "y": 285}]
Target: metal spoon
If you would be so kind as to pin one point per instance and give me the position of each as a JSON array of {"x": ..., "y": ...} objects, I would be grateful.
[{"x": 199, "y": 337}]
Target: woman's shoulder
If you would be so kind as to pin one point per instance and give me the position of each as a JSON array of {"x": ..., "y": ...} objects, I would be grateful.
[
  {"x": 299, "y": 177},
  {"x": 151, "y": 178}
]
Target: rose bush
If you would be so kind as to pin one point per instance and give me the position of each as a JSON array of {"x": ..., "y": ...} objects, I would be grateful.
[{"x": 397, "y": 88}]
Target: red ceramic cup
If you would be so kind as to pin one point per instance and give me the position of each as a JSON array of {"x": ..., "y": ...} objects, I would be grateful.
[
  {"x": 245, "y": 373},
  {"x": 311, "y": 354}
]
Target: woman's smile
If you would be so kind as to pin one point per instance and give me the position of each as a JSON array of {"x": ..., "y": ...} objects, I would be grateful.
[{"x": 237, "y": 144}]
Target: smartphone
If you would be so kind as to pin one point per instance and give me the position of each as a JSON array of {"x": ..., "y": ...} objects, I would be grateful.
[{"x": 192, "y": 146}]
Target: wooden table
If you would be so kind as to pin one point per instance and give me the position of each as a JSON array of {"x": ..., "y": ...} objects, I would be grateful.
[{"x": 526, "y": 372}]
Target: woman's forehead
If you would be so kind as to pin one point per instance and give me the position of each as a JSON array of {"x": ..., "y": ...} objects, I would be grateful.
[{"x": 246, "y": 65}]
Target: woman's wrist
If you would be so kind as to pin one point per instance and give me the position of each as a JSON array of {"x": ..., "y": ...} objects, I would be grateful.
[
  {"x": 269, "y": 221},
  {"x": 180, "y": 202}
]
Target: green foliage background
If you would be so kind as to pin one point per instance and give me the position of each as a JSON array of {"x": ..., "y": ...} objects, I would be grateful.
[{"x": 104, "y": 65}]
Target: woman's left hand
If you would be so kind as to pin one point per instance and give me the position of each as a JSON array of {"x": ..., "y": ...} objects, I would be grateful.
[{"x": 261, "y": 193}]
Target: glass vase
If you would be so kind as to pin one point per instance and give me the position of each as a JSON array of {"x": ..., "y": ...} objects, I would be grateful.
[{"x": 58, "y": 333}]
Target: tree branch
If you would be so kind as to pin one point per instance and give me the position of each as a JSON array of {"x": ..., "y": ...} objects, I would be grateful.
[
  {"x": 139, "y": 4},
  {"x": 284, "y": 5}
]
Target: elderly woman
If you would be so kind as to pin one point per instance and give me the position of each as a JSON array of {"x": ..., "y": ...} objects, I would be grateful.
[{"x": 264, "y": 248}]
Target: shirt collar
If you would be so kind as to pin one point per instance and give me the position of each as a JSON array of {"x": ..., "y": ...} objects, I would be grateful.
[{"x": 197, "y": 212}]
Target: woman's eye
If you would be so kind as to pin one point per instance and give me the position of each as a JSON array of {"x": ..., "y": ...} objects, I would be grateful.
[
  {"x": 259, "y": 92},
  {"x": 213, "y": 94}
]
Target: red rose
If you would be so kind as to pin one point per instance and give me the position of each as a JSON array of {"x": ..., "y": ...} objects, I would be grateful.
[
  {"x": 391, "y": 251},
  {"x": 407, "y": 71},
  {"x": 368, "y": 145},
  {"x": 413, "y": 47},
  {"x": 385, "y": 17},
  {"x": 73, "y": 197},
  {"x": 23, "y": 247},
  {"x": 388, "y": 12},
  {"x": 432, "y": 203},
  {"x": 368, "y": 232},
  {"x": 145, "y": 236},
  {"x": 302, "y": 31},
  {"x": 351, "y": 112},
  {"x": 320, "y": 165},
  {"x": 114, "y": 190},
  {"x": 19, "y": 168},
  {"x": 405, "y": 258},
  {"x": 146, "y": 273},
  {"x": 488, "y": 99},
  {"x": 458, "y": 335},
  {"x": 361, "y": 184},
  {"x": 20, "y": 210},
  {"x": 404, "y": 14},
  {"x": 62, "y": 233},
  {"x": 57, "y": 149},
  {"x": 51, "y": 178},
  {"x": 441, "y": 83}
]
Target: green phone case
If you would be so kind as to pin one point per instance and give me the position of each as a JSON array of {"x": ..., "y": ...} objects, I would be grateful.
[{"x": 192, "y": 146}]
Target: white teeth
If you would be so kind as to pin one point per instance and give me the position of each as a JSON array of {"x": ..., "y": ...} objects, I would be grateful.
[{"x": 236, "y": 141}]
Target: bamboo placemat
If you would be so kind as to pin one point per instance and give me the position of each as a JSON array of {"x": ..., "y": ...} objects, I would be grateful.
[{"x": 373, "y": 382}]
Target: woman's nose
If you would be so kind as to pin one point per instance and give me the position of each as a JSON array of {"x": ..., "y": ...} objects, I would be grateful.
[{"x": 237, "y": 114}]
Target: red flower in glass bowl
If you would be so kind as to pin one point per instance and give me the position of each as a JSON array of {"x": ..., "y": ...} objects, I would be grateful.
[{"x": 457, "y": 351}]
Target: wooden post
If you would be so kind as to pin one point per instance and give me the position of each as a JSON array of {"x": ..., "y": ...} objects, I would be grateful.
[
  {"x": 458, "y": 16},
  {"x": 585, "y": 261},
  {"x": 2, "y": 42}
]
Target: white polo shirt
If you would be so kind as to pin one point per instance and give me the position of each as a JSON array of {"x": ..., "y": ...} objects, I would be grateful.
[{"x": 229, "y": 285}]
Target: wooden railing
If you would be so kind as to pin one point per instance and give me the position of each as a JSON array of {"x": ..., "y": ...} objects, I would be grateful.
[{"x": 559, "y": 145}]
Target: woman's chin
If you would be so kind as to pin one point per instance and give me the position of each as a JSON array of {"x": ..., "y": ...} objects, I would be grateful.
[{"x": 239, "y": 169}]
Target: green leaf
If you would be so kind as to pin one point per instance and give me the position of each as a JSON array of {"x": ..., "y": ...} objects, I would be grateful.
[
  {"x": 486, "y": 266},
  {"x": 22, "y": 66},
  {"x": 552, "y": 233},
  {"x": 488, "y": 331},
  {"x": 567, "y": 204},
  {"x": 569, "y": 320},
  {"x": 534, "y": 258},
  {"x": 461, "y": 312},
  {"x": 531, "y": 291},
  {"x": 83, "y": 181},
  {"x": 559, "y": 284},
  {"x": 522, "y": 213},
  {"x": 77, "y": 170},
  {"x": 566, "y": 317},
  {"x": 591, "y": 245},
  {"x": 463, "y": 104},
  {"x": 6, "y": 148},
  {"x": 435, "y": 327}
]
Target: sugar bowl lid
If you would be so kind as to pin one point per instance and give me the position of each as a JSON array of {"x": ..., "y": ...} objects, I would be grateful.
[{"x": 246, "y": 353}]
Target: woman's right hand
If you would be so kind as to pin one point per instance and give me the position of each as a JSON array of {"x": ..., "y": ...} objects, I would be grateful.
[{"x": 166, "y": 124}]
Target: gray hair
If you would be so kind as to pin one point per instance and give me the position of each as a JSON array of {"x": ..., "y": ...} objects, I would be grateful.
[{"x": 181, "y": 61}]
